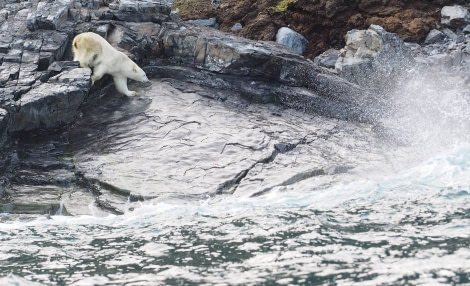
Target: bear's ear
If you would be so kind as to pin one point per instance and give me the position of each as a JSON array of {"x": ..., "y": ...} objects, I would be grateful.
[{"x": 134, "y": 68}]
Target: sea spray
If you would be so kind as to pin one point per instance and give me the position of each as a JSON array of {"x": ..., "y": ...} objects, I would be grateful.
[{"x": 431, "y": 110}]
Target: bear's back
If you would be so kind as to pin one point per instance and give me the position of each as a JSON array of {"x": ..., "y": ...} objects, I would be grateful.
[{"x": 92, "y": 42}]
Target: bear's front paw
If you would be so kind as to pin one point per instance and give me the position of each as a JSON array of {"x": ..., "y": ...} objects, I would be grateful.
[{"x": 131, "y": 93}]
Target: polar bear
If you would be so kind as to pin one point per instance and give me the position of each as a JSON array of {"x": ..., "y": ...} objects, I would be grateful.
[{"x": 93, "y": 51}]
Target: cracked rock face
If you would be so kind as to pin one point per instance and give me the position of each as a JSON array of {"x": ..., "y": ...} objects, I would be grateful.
[
  {"x": 31, "y": 40},
  {"x": 54, "y": 103}
]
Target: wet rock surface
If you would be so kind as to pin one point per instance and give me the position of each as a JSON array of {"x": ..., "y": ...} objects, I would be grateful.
[{"x": 175, "y": 142}]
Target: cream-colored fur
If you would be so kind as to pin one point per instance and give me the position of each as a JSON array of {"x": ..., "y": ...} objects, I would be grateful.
[{"x": 93, "y": 51}]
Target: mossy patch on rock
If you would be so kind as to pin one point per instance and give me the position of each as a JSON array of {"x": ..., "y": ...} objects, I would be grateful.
[
  {"x": 195, "y": 9},
  {"x": 282, "y": 5}
]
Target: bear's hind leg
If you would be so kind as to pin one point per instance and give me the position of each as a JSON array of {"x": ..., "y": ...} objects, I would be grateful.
[{"x": 120, "y": 82}]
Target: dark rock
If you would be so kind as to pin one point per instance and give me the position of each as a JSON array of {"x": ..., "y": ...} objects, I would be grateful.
[
  {"x": 13, "y": 56},
  {"x": 434, "y": 36},
  {"x": 63, "y": 66},
  {"x": 4, "y": 124},
  {"x": 264, "y": 62},
  {"x": 284, "y": 147},
  {"x": 143, "y": 11},
  {"x": 53, "y": 103},
  {"x": 54, "y": 43},
  {"x": 103, "y": 30},
  {"x": 211, "y": 22},
  {"x": 328, "y": 59}
]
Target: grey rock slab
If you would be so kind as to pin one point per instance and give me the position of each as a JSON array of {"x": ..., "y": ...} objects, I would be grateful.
[
  {"x": 54, "y": 103},
  {"x": 188, "y": 146},
  {"x": 49, "y": 15},
  {"x": 451, "y": 35},
  {"x": 145, "y": 6},
  {"x": 42, "y": 179},
  {"x": 466, "y": 30},
  {"x": 9, "y": 71},
  {"x": 29, "y": 58},
  {"x": 33, "y": 45},
  {"x": 224, "y": 54},
  {"x": 323, "y": 94},
  {"x": 143, "y": 11},
  {"x": 32, "y": 200},
  {"x": 55, "y": 43},
  {"x": 13, "y": 56}
]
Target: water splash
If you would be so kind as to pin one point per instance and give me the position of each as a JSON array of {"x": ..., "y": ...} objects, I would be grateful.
[
  {"x": 60, "y": 211},
  {"x": 430, "y": 110}
]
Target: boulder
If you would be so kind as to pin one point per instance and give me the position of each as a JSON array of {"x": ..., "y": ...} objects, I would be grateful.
[
  {"x": 328, "y": 59},
  {"x": 291, "y": 39},
  {"x": 434, "y": 36},
  {"x": 455, "y": 16},
  {"x": 236, "y": 27},
  {"x": 143, "y": 11},
  {"x": 374, "y": 58},
  {"x": 450, "y": 34},
  {"x": 211, "y": 22}
]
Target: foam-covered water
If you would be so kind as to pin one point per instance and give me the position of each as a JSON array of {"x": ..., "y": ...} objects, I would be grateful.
[{"x": 409, "y": 227}]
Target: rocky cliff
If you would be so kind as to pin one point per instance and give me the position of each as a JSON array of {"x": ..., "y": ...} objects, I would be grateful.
[
  {"x": 35, "y": 46},
  {"x": 323, "y": 22}
]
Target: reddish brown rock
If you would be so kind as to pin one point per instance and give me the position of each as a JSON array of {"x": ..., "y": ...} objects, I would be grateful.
[{"x": 323, "y": 22}]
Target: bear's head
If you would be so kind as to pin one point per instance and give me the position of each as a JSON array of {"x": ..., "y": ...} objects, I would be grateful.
[{"x": 139, "y": 74}]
